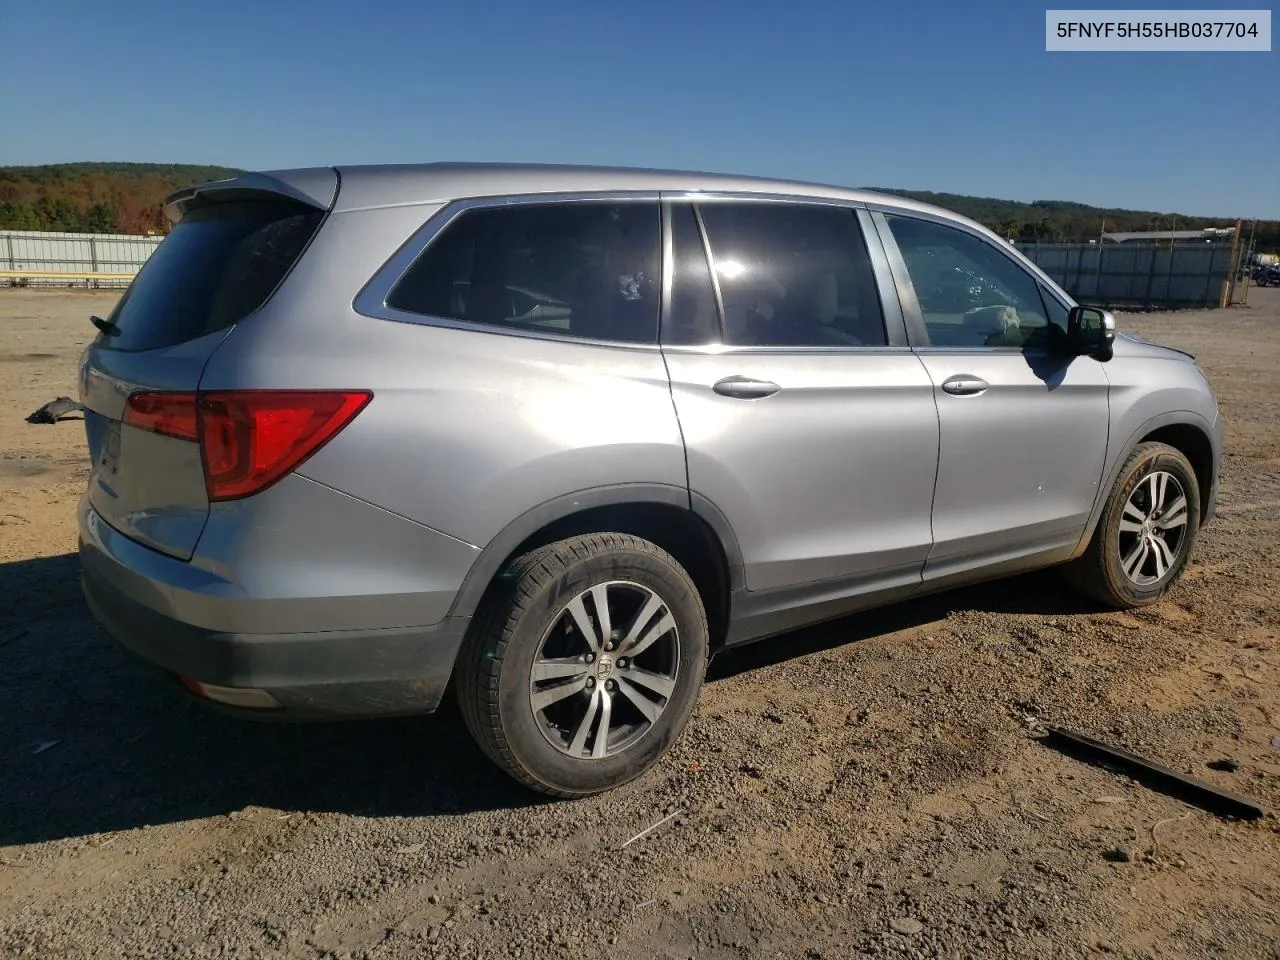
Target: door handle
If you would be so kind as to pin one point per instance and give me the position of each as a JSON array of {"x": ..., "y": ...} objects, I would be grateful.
[
  {"x": 745, "y": 388},
  {"x": 965, "y": 385}
]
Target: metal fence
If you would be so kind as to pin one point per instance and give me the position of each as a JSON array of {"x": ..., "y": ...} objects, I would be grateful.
[
  {"x": 1154, "y": 275},
  {"x": 36, "y": 258}
]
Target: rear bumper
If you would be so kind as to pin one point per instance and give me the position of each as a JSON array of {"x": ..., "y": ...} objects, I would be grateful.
[
  {"x": 325, "y": 675},
  {"x": 139, "y": 597}
]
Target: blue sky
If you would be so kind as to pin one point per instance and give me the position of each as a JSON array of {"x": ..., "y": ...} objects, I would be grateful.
[{"x": 940, "y": 96}]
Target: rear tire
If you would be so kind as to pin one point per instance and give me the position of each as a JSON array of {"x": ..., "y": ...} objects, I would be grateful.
[
  {"x": 1145, "y": 535},
  {"x": 568, "y": 708}
]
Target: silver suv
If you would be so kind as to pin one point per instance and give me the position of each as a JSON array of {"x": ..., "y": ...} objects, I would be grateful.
[{"x": 557, "y": 435}]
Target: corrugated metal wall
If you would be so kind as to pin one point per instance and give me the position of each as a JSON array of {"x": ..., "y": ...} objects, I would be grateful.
[
  {"x": 78, "y": 256},
  {"x": 1189, "y": 273},
  {"x": 1180, "y": 274}
]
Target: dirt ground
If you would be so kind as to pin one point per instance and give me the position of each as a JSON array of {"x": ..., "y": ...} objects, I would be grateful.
[{"x": 872, "y": 786}]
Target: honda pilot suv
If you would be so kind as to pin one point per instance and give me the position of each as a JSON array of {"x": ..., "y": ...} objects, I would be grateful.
[{"x": 554, "y": 436}]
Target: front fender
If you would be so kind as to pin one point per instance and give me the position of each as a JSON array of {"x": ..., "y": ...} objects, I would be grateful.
[{"x": 1118, "y": 453}]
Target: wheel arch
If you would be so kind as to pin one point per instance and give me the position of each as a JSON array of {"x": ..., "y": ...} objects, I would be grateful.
[
  {"x": 1194, "y": 444},
  {"x": 689, "y": 527},
  {"x": 1185, "y": 431}
]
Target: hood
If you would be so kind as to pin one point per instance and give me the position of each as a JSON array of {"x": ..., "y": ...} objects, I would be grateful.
[{"x": 1131, "y": 345}]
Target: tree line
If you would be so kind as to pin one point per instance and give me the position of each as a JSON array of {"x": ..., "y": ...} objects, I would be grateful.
[
  {"x": 1050, "y": 221},
  {"x": 95, "y": 197},
  {"x": 127, "y": 198}
]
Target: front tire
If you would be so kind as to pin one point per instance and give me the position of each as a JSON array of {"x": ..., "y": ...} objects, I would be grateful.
[
  {"x": 584, "y": 663},
  {"x": 1145, "y": 535}
]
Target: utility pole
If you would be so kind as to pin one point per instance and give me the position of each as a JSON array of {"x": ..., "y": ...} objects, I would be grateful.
[
  {"x": 1249, "y": 253},
  {"x": 1233, "y": 267},
  {"x": 1097, "y": 273}
]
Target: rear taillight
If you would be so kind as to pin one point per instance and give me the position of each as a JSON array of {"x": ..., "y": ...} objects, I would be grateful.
[
  {"x": 173, "y": 414},
  {"x": 248, "y": 439}
]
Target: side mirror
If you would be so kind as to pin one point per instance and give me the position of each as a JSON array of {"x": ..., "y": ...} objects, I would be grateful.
[{"x": 1091, "y": 332}]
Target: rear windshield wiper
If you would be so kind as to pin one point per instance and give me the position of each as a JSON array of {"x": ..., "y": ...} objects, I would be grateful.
[{"x": 108, "y": 328}]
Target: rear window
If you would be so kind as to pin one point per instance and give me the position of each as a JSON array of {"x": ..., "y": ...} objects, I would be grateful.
[{"x": 219, "y": 264}]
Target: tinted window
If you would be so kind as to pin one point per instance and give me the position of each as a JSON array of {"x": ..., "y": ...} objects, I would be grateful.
[
  {"x": 586, "y": 269},
  {"x": 970, "y": 293},
  {"x": 793, "y": 275},
  {"x": 219, "y": 264},
  {"x": 1056, "y": 312},
  {"x": 694, "y": 317}
]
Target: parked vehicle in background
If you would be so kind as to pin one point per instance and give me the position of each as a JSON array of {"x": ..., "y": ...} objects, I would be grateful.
[
  {"x": 558, "y": 435},
  {"x": 1267, "y": 275}
]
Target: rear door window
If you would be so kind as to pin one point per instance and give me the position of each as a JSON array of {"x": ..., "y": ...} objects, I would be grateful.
[
  {"x": 219, "y": 264},
  {"x": 792, "y": 275},
  {"x": 588, "y": 269}
]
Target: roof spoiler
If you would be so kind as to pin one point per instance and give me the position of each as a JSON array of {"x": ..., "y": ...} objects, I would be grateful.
[{"x": 317, "y": 187}]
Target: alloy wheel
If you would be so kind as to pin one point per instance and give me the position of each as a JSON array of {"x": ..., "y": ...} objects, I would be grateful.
[
  {"x": 1153, "y": 528},
  {"x": 605, "y": 670}
]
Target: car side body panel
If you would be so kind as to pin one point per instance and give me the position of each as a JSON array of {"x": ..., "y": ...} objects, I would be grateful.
[
  {"x": 1003, "y": 487},
  {"x": 1154, "y": 387},
  {"x": 501, "y": 425},
  {"x": 829, "y": 479},
  {"x": 1023, "y": 439},
  {"x": 485, "y": 427}
]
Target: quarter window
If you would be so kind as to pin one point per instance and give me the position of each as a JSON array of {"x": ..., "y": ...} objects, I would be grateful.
[
  {"x": 971, "y": 294},
  {"x": 790, "y": 275},
  {"x": 584, "y": 269},
  {"x": 1056, "y": 311}
]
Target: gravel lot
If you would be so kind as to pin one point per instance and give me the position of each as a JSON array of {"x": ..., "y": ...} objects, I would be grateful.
[{"x": 867, "y": 787}]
